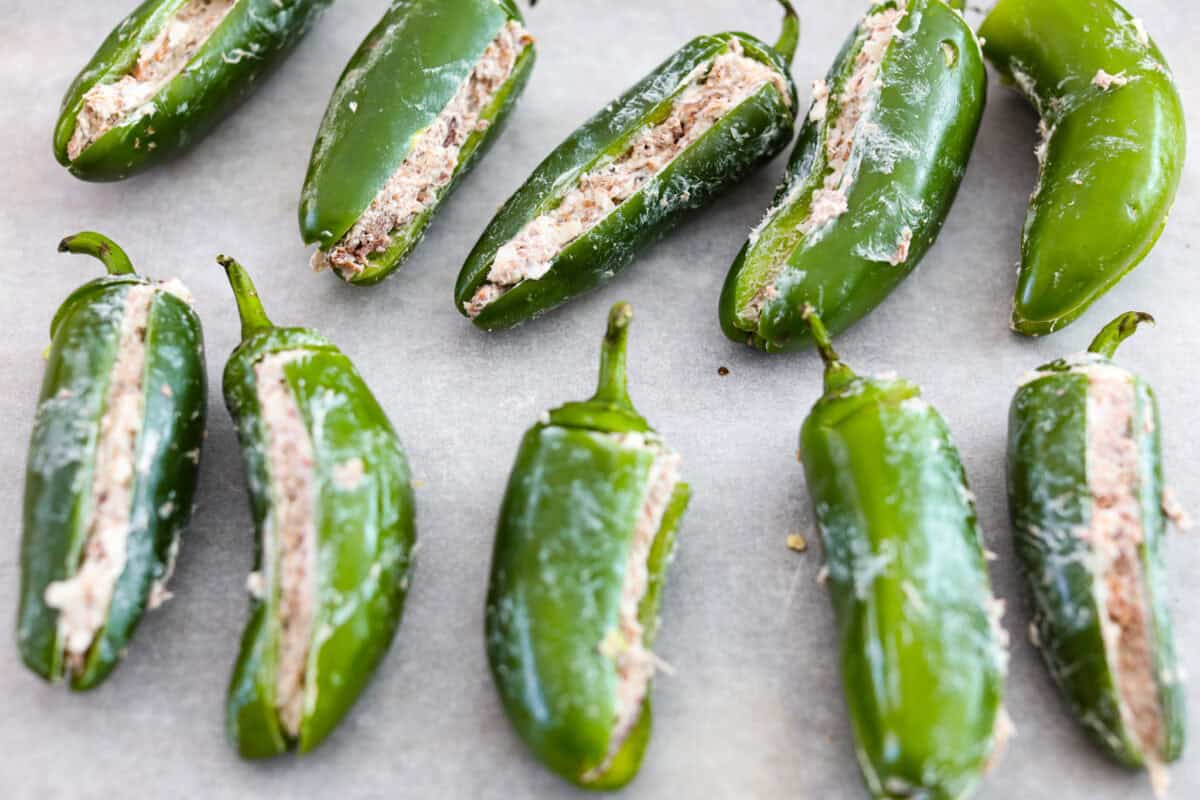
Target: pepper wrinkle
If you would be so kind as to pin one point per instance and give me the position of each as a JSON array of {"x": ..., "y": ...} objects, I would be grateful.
[
  {"x": 290, "y": 534},
  {"x": 432, "y": 162},
  {"x": 714, "y": 89},
  {"x": 1116, "y": 535},
  {"x": 161, "y": 60},
  {"x": 853, "y": 112},
  {"x": 635, "y": 663},
  {"x": 83, "y": 599}
]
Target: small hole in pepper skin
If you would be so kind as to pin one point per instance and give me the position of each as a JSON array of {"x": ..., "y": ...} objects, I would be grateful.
[
  {"x": 722, "y": 371},
  {"x": 949, "y": 53}
]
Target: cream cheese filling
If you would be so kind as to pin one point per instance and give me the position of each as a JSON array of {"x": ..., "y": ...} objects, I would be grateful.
[
  {"x": 1115, "y": 532},
  {"x": 83, "y": 600},
  {"x": 1105, "y": 81},
  {"x": 854, "y": 109},
  {"x": 625, "y": 644},
  {"x": 711, "y": 92},
  {"x": 290, "y": 532},
  {"x": 160, "y": 60},
  {"x": 430, "y": 165}
]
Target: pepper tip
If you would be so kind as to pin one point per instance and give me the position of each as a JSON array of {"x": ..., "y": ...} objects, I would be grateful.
[
  {"x": 1114, "y": 333},
  {"x": 99, "y": 246},
  {"x": 1146, "y": 318},
  {"x": 250, "y": 309},
  {"x": 619, "y": 318},
  {"x": 611, "y": 386}
]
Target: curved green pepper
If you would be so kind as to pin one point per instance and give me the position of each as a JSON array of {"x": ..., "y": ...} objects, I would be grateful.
[
  {"x": 251, "y": 39},
  {"x": 887, "y": 143},
  {"x": 742, "y": 137},
  {"x": 112, "y": 466},
  {"x": 403, "y": 77},
  {"x": 1101, "y": 617},
  {"x": 1112, "y": 150},
  {"x": 922, "y": 654},
  {"x": 349, "y": 477},
  {"x": 589, "y": 517}
]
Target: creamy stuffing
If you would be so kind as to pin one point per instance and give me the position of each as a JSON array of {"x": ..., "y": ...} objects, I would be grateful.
[
  {"x": 83, "y": 600},
  {"x": 820, "y": 100},
  {"x": 903, "y": 244},
  {"x": 1104, "y": 81},
  {"x": 854, "y": 106},
  {"x": 713, "y": 90},
  {"x": 1115, "y": 532},
  {"x": 634, "y": 661},
  {"x": 160, "y": 60},
  {"x": 431, "y": 163},
  {"x": 290, "y": 538}
]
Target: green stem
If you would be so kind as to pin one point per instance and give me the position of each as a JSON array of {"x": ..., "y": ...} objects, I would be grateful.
[
  {"x": 837, "y": 374},
  {"x": 789, "y": 38},
  {"x": 611, "y": 387},
  {"x": 100, "y": 246},
  {"x": 957, "y": 5},
  {"x": 250, "y": 308},
  {"x": 1111, "y": 335}
]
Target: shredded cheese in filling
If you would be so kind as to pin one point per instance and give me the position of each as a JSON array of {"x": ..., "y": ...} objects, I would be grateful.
[
  {"x": 431, "y": 163},
  {"x": 106, "y": 105},
  {"x": 854, "y": 107},
  {"x": 712, "y": 91},
  {"x": 1115, "y": 532},
  {"x": 634, "y": 661},
  {"x": 290, "y": 535},
  {"x": 83, "y": 600}
]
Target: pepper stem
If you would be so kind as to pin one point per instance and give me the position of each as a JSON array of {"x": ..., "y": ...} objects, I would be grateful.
[
  {"x": 1114, "y": 333},
  {"x": 837, "y": 374},
  {"x": 100, "y": 246},
  {"x": 250, "y": 308},
  {"x": 611, "y": 387},
  {"x": 957, "y": 5},
  {"x": 789, "y": 37}
]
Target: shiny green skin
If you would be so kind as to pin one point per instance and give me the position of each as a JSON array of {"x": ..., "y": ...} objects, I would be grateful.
[
  {"x": 365, "y": 535},
  {"x": 58, "y": 479},
  {"x": 558, "y": 567},
  {"x": 1050, "y": 502},
  {"x": 747, "y": 136},
  {"x": 1113, "y": 160},
  {"x": 927, "y": 112},
  {"x": 214, "y": 82},
  {"x": 922, "y": 666},
  {"x": 401, "y": 78}
]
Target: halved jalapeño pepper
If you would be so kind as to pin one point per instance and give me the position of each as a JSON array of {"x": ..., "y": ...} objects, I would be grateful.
[
  {"x": 585, "y": 535},
  {"x": 922, "y": 652},
  {"x": 112, "y": 466},
  {"x": 331, "y": 498},
  {"x": 1087, "y": 500},
  {"x": 688, "y": 131},
  {"x": 871, "y": 180},
  {"x": 166, "y": 75},
  {"x": 418, "y": 103},
  {"x": 1111, "y": 155}
]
